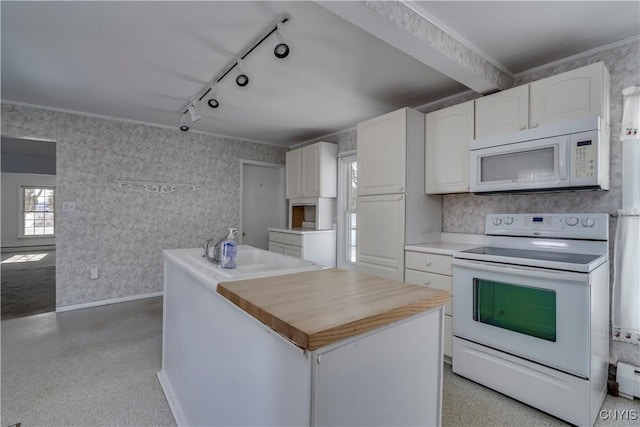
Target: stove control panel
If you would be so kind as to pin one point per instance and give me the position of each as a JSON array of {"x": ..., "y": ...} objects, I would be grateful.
[{"x": 582, "y": 226}]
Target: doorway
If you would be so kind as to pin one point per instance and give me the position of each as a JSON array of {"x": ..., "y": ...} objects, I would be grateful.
[
  {"x": 28, "y": 255},
  {"x": 263, "y": 203}
]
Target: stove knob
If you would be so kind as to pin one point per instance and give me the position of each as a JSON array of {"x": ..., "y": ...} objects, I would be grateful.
[
  {"x": 508, "y": 220},
  {"x": 497, "y": 221},
  {"x": 571, "y": 221},
  {"x": 588, "y": 222}
]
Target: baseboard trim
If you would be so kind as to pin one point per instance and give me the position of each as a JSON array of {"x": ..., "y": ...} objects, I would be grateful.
[{"x": 107, "y": 302}]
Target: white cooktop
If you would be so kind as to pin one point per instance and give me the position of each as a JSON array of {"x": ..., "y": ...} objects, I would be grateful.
[{"x": 571, "y": 242}]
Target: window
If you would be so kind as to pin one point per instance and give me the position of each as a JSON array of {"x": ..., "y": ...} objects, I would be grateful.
[
  {"x": 348, "y": 184},
  {"x": 38, "y": 211}
]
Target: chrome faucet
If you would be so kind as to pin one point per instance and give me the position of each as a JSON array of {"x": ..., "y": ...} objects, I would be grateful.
[{"x": 217, "y": 250}]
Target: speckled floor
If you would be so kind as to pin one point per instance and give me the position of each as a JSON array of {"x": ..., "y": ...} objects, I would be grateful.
[
  {"x": 91, "y": 367},
  {"x": 98, "y": 366}
]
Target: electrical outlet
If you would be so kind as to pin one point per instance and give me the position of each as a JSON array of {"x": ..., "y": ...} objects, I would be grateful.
[
  {"x": 68, "y": 206},
  {"x": 94, "y": 271}
]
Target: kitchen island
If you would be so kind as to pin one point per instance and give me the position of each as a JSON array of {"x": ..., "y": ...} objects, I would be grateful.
[{"x": 313, "y": 347}]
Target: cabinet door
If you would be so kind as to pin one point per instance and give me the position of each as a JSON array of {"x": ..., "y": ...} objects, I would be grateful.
[
  {"x": 382, "y": 154},
  {"x": 447, "y": 136},
  {"x": 568, "y": 96},
  {"x": 502, "y": 112},
  {"x": 293, "y": 173},
  {"x": 380, "y": 235},
  {"x": 311, "y": 159}
]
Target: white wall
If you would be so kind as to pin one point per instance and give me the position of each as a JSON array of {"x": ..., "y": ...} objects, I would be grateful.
[{"x": 11, "y": 183}]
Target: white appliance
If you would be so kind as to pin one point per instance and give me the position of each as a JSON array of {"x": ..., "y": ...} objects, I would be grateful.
[
  {"x": 532, "y": 311},
  {"x": 572, "y": 155}
]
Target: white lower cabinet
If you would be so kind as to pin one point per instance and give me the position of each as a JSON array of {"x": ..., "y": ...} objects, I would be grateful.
[
  {"x": 380, "y": 235},
  {"x": 314, "y": 245},
  {"x": 434, "y": 271}
]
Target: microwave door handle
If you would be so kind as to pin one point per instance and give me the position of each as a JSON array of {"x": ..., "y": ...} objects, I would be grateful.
[{"x": 563, "y": 149}]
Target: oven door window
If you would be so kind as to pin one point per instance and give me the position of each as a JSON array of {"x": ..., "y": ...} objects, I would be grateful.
[{"x": 527, "y": 310}]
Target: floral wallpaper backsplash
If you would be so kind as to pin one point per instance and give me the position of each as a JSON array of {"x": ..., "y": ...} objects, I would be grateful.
[{"x": 124, "y": 230}]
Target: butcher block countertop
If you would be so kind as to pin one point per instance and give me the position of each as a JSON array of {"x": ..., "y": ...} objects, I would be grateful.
[{"x": 317, "y": 308}]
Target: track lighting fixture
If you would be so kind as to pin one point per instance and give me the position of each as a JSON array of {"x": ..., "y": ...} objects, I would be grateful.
[
  {"x": 213, "y": 101},
  {"x": 183, "y": 124},
  {"x": 241, "y": 79},
  {"x": 281, "y": 50},
  {"x": 193, "y": 111}
]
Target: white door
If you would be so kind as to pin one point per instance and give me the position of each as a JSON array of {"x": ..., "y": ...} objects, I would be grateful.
[{"x": 263, "y": 202}]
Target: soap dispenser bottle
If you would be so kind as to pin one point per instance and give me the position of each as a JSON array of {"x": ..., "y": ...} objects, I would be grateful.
[{"x": 229, "y": 250}]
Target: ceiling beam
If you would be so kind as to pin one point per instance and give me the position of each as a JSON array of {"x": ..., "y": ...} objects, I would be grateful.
[{"x": 403, "y": 28}]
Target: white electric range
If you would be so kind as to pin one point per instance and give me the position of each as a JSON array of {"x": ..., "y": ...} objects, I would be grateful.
[{"x": 531, "y": 311}]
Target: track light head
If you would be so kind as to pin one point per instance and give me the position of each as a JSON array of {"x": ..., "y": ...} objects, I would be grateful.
[
  {"x": 281, "y": 49},
  {"x": 213, "y": 101},
  {"x": 241, "y": 79},
  {"x": 193, "y": 111},
  {"x": 183, "y": 124}
]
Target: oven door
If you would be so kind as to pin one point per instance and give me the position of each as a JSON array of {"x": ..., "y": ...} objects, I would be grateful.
[
  {"x": 530, "y": 165},
  {"x": 539, "y": 314}
]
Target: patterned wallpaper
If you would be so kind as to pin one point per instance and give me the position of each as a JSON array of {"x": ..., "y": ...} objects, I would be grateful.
[{"x": 124, "y": 230}]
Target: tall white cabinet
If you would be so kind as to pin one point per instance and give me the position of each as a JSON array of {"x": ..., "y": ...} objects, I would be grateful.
[{"x": 392, "y": 209}]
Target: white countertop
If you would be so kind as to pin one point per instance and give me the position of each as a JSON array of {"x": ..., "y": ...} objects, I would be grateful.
[
  {"x": 300, "y": 230},
  {"x": 449, "y": 243},
  {"x": 210, "y": 275}
]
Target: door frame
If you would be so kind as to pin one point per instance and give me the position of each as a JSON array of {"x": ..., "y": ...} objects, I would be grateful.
[
  {"x": 244, "y": 162},
  {"x": 341, "y": 237}
]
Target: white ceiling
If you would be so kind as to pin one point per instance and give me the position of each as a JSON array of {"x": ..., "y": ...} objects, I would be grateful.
[{"x": 143, "y": 61}]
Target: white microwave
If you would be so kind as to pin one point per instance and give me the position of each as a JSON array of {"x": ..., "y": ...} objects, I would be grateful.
[{"x": 560, "y": 157}]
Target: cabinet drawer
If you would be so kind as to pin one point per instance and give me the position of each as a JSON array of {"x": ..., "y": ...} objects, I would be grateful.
[
  {"x": 436, "y": 281},
  {"x": 276, "y": 247},
  {"x": 440, "y": 264},
  {"x": 274, "y": 236},
  {"x": 293, "y": 239},
  {"x": 286, "y": 238}
]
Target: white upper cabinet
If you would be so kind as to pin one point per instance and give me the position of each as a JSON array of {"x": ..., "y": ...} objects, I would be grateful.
[
  {"x": 312, "y": 171},
  {"x": 502, "y": 112},
  {"x": 447, "y": 136},
  {"x": 293, "y": 172},
  {"x": 382, "y": 154},
  {"x": 573, "y": 95}
]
